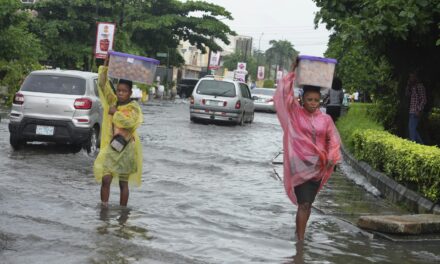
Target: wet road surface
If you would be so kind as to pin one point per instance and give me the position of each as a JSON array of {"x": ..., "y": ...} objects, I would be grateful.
[{"x": 209, "y": 195}]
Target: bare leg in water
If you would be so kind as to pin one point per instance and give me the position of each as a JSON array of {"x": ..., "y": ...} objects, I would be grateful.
[
  {"x": 123, "y": 186},
  {"x": 105, "y": 189},
  {"x": 302, "y": 217}
]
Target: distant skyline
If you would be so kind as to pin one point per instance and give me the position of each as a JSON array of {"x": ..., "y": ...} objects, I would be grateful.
[{"x": 265, "y": 20}]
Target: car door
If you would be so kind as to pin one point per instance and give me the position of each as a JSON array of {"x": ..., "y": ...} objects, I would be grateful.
[
  {"x": 99, "y": 108},
  {"x": 247, "y": 99}
]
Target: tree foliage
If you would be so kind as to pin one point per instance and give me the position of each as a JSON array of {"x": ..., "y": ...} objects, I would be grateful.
[
  {"x": 67, "y": 28},
  {"x": 281, "y": 53},
  {"x": 19, "y": 49},
  {"x": 231, "y": 61},
  {"x": 403, "y": 35}
]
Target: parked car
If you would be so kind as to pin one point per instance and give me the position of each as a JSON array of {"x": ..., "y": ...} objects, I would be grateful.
[
  {"x": 263, "y": 99},
  {"x": 222, "y": 100},
  {"x": 57, "y": 106},
  {"x": 185, "y": 87}
]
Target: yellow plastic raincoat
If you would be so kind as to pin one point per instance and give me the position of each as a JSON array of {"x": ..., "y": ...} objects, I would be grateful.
[{"x": 125, "y": 165}]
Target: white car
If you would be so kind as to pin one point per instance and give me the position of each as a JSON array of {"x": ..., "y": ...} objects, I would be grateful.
[
  {"x": 263, "y": 99},
  {"x": 218, "y": 99}
]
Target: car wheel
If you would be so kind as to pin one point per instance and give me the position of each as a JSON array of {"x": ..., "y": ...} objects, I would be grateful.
[
  {"x": 183, "y": 95},
  {"x": 251, "y": 120},
  {"x": 91, "y": 145},
  {"x": 16, "y": 142},
  {"x": 241, "y": 122}
]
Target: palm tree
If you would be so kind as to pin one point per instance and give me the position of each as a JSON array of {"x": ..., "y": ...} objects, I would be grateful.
[{"x": 281, "y": 53}]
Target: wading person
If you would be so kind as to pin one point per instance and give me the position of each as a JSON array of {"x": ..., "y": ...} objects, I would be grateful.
[
  {"x": 311, "y": 147},
  {"x": 120, "y": 156}
]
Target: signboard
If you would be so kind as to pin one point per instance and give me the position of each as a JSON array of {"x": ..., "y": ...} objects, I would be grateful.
[
  {"x": 214, "y": 61},
  {"x": 240, "y": 75},
  {"x": 241, "y": 66},
  {"x": 260, "y": 74},
  {"x": 105, "y": 33},
  {"x": 161, "y": 54}
]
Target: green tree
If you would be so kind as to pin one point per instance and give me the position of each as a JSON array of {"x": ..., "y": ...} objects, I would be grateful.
[
  {"x": 231, "y": 61},
  {"x": 403, "y": 33},
  {"x": 19, "y": 49},
  {"x": 281, "y": 53},
  {"x": 144, "y": 27}
]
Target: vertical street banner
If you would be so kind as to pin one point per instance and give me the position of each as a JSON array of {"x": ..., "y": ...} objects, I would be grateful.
[
  {"x": 214, "y": 62},
  {"x": 260, "y": 73},
  {"x": 105, "y": 33},
  {"x": 241, "y": 66}
]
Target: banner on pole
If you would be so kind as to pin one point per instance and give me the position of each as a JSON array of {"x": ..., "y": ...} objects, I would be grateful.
[
  {"x": 214, "y": 62},
  {"x": 105, "y": 33},
  {"x": 260, "y": 74},
  {"x": 241, "y": 66}
]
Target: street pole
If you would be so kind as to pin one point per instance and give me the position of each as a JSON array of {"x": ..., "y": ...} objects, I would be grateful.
[{"x": 259, "y": 41}]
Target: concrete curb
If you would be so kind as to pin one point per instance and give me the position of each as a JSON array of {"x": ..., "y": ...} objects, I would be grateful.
[{"x": 391, "y": 189}]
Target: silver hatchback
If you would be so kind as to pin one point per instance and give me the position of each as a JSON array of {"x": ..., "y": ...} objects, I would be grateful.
[
  {"x": 220, "y": 99},
  {"x": 57, "y": 106}
]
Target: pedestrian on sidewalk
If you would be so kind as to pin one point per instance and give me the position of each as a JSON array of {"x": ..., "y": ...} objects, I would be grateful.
[
  {"x": 336, "y": 96},
  {"x": 311, "y": 146},
  {"x": 417, "y": 101},
  {"x": 120, "y": 156}
]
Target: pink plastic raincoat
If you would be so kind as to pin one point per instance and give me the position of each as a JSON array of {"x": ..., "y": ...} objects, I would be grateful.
[{"x": 310, "y": 140}]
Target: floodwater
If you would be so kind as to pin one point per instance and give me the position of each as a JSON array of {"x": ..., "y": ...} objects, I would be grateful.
[{"x": 209, "y": 195}]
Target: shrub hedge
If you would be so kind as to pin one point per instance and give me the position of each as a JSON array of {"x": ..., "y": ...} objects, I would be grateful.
[{"x": 411, "y": 164}]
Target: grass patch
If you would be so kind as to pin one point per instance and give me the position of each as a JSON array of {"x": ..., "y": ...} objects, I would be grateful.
[{"x": 357, "y": 117}]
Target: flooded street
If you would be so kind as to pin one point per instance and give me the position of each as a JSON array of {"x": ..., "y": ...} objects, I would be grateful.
[{"x": 209, "y": 195}]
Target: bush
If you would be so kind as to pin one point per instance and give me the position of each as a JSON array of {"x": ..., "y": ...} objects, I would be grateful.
[
  {"x": 356, "y": 118},
  {"x": 269, "y": 84},
  {"x": 434, "y": 126},
  {"x": 411, "y": 164}
]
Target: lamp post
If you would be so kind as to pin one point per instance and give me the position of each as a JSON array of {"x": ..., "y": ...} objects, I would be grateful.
[{"x": 259, "y": 41}]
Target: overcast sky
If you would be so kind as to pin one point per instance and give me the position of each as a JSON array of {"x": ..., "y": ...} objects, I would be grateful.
[{"x": 279, "y": 20}]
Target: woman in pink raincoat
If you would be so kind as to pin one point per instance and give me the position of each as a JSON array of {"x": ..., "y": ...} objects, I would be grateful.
[{"x": 311, "y": 146}]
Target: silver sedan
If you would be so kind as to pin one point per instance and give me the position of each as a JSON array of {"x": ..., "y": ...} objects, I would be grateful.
[{"x": 263, "y": 99}]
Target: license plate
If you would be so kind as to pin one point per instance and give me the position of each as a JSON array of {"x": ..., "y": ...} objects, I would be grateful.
[
  {"x": 45, "y": 130},
  {"x": 217, "y": 103}
]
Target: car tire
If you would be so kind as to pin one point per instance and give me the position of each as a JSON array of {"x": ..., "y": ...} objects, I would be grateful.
[
  {"x": 251, "y": 120},
  {"x": 16, "y": 142},
  {"x": 241, "y": 122},
  {"x": 183, "y": 95},
  {"x": 91, "y": 146}
]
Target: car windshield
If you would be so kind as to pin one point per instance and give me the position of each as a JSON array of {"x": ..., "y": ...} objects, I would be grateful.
[
  {"x": 54, "y": 84},
  {"x": 216, "y": 88},
  {"x": 270, "y": 92}
]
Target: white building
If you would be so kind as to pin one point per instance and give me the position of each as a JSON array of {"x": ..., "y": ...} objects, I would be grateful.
[{"x": 195, "y": 61}]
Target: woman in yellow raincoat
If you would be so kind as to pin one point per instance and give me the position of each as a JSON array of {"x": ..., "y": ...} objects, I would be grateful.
[{"x": 121, "y": 117}]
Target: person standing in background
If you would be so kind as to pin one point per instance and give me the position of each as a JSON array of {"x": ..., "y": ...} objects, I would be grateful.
[
  {"x": 417, "y": 101},
  {"x": 336, "y": 96}
]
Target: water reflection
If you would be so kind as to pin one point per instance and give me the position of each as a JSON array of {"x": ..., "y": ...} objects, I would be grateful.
[
  {"x": 299, "y": 257},
  {"x": 115, "y": 222}
]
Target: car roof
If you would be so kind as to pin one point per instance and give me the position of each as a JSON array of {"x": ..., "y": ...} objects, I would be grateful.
[
  {"x": 258, "y": 88},
  {"x": 71, "y": 73},
  {"x": 221, "y": 79}
]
